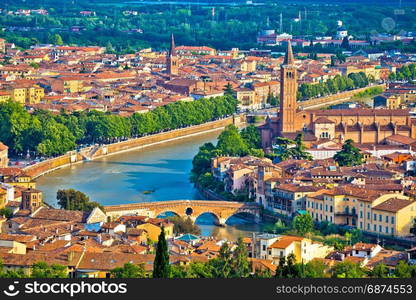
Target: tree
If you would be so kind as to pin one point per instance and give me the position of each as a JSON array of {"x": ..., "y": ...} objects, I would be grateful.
[
  {"x": 303, "y": 224},
  {"x": 56, "y": 39},
  {"x": 222, "y": 265},
  {"x": 71, "y": 199},
  {"x": 228, "y": 89},
  {"x": 184, "y": 225},
  {"x": 128, "y": 270},
  {"x": 349, "y": 155},
  {"x": 6, "y": 212},
  {"x": 240, "y": 264},
  {"x": 43, "y": 270},
  {"x": 380, "y": 271},
  {"x": 161, "y": 266},
  {"x": 403, "y": 270},
  {"x": 251, "y": 136},
  {"x": 291, "y": 149},
  {"x": 347, "y": 269},
  {"x": 231, "y": 143},
  {"x": 315, "y": 269},
  {"x": 288, "y": 268},
  {"x": 201, "y": 163}
]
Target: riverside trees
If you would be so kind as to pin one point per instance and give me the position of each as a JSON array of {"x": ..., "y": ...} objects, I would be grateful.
[
  {"x": 42, "y": 133},
  {"x": 333, "y": 86}
]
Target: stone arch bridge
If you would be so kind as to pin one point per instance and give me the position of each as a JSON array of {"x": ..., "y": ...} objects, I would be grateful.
[{"x": 222, "y": 210}]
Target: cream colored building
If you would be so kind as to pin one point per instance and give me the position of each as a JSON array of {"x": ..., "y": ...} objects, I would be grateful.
[
  {"x": 303, "y": 248},
  {"x": 371, "y": 211}
]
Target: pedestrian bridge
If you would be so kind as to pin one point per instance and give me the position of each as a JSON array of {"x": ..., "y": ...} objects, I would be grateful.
[{"x": 222, "y": 210}]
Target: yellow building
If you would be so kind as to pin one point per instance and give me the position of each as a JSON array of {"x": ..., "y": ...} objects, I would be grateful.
[
  {"x": 4, "y": 155},
  {"x": 2, "y": 46},
  {"x": 11, "y": 246},
  {"x": 362, "y": 208},
  {"x": 3, "y": 199},
  {"x": 246, "y": 98},
  {"x": 5, "y": 96},
  {"x": 23, "y": 94},
  {"x": 394, "y": 217},
  {"x": 16, "y": 177},
  {"x": 393, "y": 102},
  {"x": 153, "y": 231}
]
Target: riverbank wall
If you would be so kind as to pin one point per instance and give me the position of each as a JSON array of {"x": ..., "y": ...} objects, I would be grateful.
[{"x": 95, "y": 152}]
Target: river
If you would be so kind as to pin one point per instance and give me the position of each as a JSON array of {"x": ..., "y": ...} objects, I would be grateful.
[{"x": 123, "y": 178}]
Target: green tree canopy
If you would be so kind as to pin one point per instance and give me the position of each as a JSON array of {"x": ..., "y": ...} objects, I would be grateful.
[
  {"x": 43, "y": 270},
  {"x": 128, "y": 270},
  {"x": 303, "y": 224},
  {"x": 349, "y": 155},
  {"x": 71, "y": 199}
]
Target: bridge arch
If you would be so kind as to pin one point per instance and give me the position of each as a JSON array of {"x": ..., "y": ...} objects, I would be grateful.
[
  {"x": 216, "y": 217},
  {"x": 241, "y": 214},
  {"x": 168, "y": 213}
]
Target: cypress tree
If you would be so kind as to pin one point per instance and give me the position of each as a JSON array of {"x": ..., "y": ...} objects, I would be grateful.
[{"x": 161, "y": 267}]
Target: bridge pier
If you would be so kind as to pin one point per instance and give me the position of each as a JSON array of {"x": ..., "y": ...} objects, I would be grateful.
[{"x": 221, "y": 222}]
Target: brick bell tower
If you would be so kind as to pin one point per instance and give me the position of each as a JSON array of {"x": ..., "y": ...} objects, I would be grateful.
[
  {"x": 288, "y": 92},
  {"x": 172, "y": 59}
]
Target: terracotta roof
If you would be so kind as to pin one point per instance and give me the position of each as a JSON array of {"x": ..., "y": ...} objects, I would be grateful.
[
  {"x": 393, "y": 205},
  {"x": 107, "y": 261},
  {"x": 285, "y": 242},
  {"x": 60, "y": 215},
  {"x": 401, "y": 139}
]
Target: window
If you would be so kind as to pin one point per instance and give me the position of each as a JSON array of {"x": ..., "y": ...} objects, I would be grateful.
[
  {"x": 361, "y": 213},
  {"x": 361, "y": 225},
  {"x": 392, "y": 220},
  {"x": 264, "y": 247},
  {"x": 392, "y": 230},
  {"x": 368, "y": 216},
  {"x": 380, "y": 218},
  {"x": 387, "y": 229},
  {"x": 281, "y": 253},
  {"x": 326, "y": 207},
  {"x": 380, "y": 228},
  {"x": 387, "y": 219},
  {"x": 368, "y": 226},
  {"x": 375, "y": 217},
  {"x": 375, "y": 227},
  {"x": 331, "y": 209}
]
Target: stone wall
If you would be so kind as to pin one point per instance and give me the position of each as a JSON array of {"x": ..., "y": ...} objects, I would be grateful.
[{"x": 73, "y": 157}]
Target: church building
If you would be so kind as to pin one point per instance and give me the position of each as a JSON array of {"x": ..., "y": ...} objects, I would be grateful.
[{"x": 363, "y": 126}]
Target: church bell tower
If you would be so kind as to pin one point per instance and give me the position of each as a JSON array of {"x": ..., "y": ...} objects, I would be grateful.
[
  {"x": 172, "y": 59},
  {"x": 288, "y": 92}
]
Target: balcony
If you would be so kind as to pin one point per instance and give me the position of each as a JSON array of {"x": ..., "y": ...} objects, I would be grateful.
[{"x": 346, "y": 214}]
